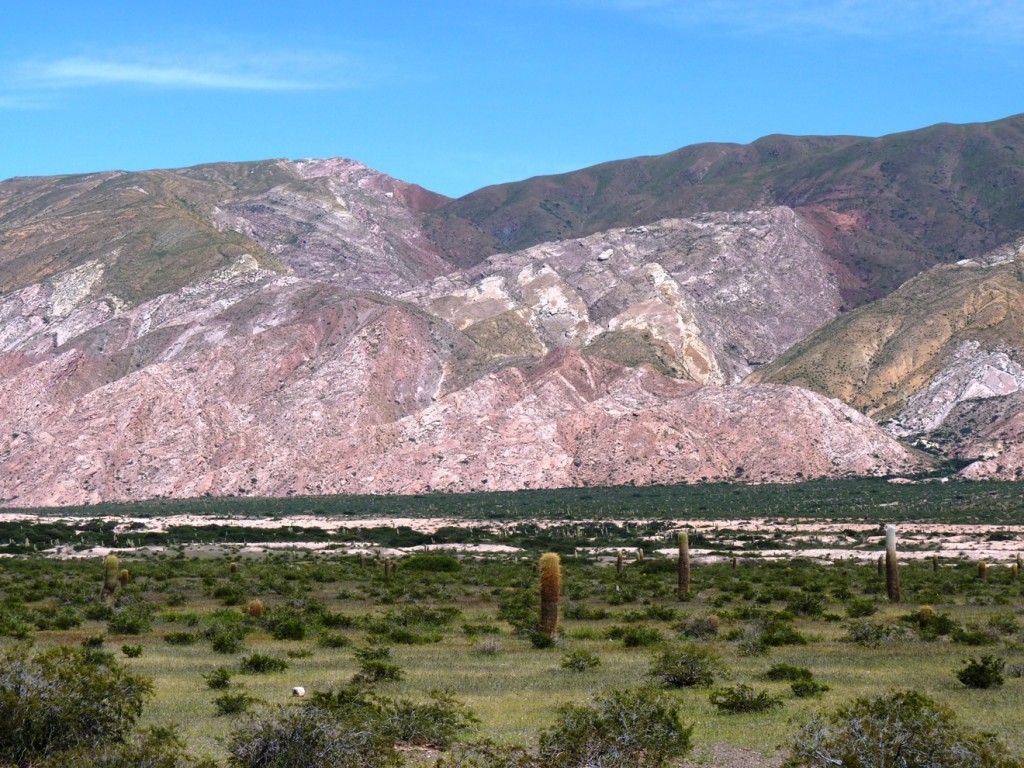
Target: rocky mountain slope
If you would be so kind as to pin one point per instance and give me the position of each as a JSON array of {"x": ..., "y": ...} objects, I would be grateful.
[
  {"x": 938, "y": 362},
  {"x": 309, "y": 327},
  {"x": 885, "y": 208},
  {"x": 286, "y": 328}
]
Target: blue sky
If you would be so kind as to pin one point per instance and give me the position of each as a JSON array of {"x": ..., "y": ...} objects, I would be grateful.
[{"x": 457, "y": 95}]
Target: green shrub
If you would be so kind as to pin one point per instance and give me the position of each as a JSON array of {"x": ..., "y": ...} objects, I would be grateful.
[
  {"x": 872, "y": 634},
  {"x": 152, "y": 748},
  {"x": 333, "y": 640},
  {"x": 901, "y": 729},
  {"x": 287, "y": 623},
  {"x": 787, "y": 673},
  {"x": 805, "y": 604},
  {"x": 375, "y": 665},
  {"x": 635, "y": 636},
  {"x": 434, "y": 723},
  {"x": 974, "y": 636},
  {"x": 742, "y": 698},
  {"x": 60, "y": 699},
  {"x": 580, "y": 661},
  {"x": 803, "y": 689},
  {"x": 432, "y": 563},
  {"x": 686, "y": 666},
  {"x": 261, "y": 663},
  {"x": 699, "y": 627},
  {"x": 622, "y": 729},
  {"x": 131, "y": 651},
  {"x": 860, "y": 607},
  {"x": 219, "y": 678},
  {"x": 310, "y": 737},
  {"x": 541, "y": 640},
  {"x": 234, "y": 702},
  {"x": 131, "y": 619},
  {"x": 986, "y": 672}
]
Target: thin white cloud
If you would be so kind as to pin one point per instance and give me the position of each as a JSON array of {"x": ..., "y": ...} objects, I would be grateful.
[
  {"x": 226, "y": 70},
  {"x": 993, "y": 21},
  {"x": 81, "y": 71}
]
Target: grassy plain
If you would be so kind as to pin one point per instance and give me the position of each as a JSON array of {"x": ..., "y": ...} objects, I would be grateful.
[{"x": 458, "y": 629}]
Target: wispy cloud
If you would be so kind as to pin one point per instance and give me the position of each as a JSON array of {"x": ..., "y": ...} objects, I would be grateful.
[
  {"x": 81, "y": 71},
  {"x": 185, "y": 70},
  {"x": 994, "y": 21}
]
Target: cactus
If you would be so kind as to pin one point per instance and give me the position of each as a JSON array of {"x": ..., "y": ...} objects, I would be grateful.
[
  {"x": 550, "y": 568},
  {"x": 881, "y": 565},
  {"x": 254, "y": 608},
  {"x": 935, "y": 563},
  {"x": 618, "y": 563},
  {"x": 234, "y": 567},
  {"x": 982, "y": 570},
  {"x": 111, "y": 573},
  {"x": 123, "y": 577},
  {"x": 892, "y": 570},
  {"x": 684, "y": 564}
]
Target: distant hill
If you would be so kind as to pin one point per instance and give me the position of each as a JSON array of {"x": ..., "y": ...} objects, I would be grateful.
[{"x": 886, "y": 208}]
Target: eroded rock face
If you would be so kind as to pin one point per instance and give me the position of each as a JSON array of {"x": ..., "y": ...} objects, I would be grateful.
[
  {"x": 340, "y": 222},
  {"x": 283, "y": 328},
  {"x": 704, "y": 299}
]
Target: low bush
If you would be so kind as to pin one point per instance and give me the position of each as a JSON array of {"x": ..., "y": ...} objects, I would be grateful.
[
  {"x": 580, "y": 661},
  {"x": 622, "y": 729},
  {"x": 310, "y": 737},
  {"x": 635, "y": 636},
  {"x": 234, "y": 702},
  {"x": 787, "y": 673},
  {"x": 742, "y": 698},
  {"x": 699, "y": 627},
  {"x": 432, "y": 563},
  {"x": 898, "y": 729},
  {"x": 219, "y": 678},
  {"x": 375, "y": 665},
  {"x": 261, "y": 663},
  {"x": 986, "y": 672},
  {"x": 860, "y": 607},
  {"x": 61, "y": 699},
  {"x": 434, "y": 723},
  {"x": 686, "y": 666},
  {"x": 151, "y": 748},
  {"x": 804, "y": 689}
]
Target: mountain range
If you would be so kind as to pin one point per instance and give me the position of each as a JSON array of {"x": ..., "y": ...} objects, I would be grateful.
[{"x": 798, "y": 307}]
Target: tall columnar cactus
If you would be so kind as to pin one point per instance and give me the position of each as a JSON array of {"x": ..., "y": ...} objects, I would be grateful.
[
  {"x": 618, "y": 563},
  {"x": 111, "y": 577},
  {"x": 892, "y": 570},
  {"x": 935, "y": 563},
  {"x": 550, "y": 568},
  {"x": 683, "y": 565},
  {"x": 982, "y": 570}
]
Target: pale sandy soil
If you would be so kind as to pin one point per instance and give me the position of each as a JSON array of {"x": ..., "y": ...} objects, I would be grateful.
[{"x": 785, "y": 537}]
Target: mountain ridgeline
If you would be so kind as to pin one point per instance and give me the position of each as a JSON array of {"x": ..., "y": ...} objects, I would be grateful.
[{"x": 798, "y": 307}]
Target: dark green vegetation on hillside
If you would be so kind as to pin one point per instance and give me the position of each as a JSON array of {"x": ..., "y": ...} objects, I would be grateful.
[
  {"x": 905, "y": 202},
  {"x": 376, "y": 647}
]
